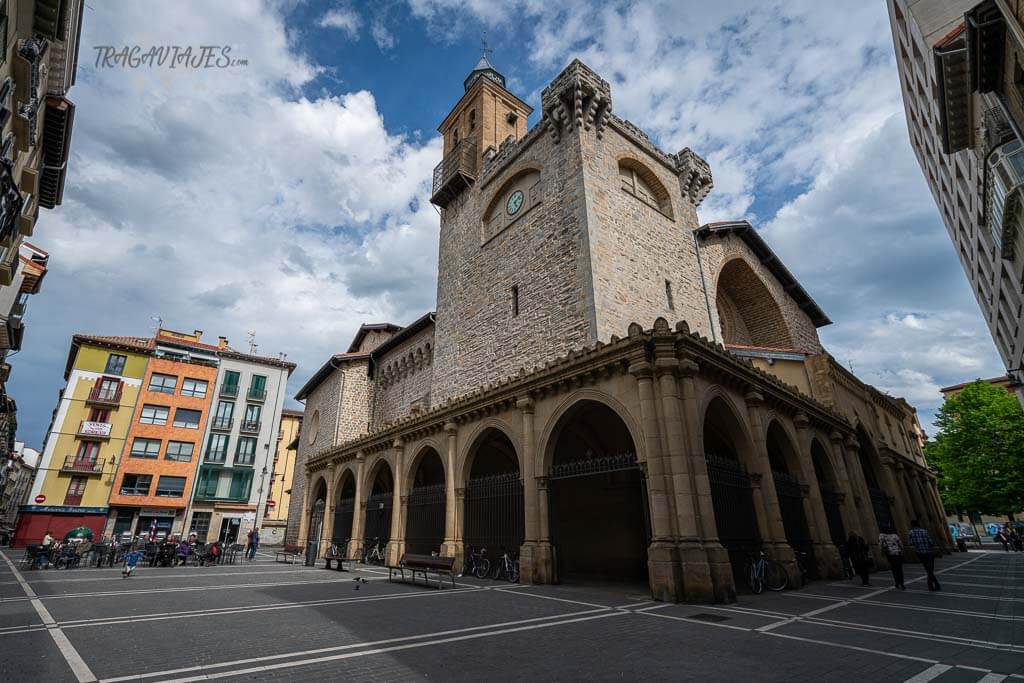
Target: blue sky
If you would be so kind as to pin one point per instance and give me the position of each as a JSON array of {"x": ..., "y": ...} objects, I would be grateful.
[{"x": 288, "y": 196}]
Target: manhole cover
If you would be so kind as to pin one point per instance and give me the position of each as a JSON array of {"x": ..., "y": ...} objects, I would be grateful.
[{"x": 715, "y": 618}]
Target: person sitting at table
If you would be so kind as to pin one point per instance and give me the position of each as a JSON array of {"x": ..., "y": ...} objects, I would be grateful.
[{"x": 182, "y": 552}]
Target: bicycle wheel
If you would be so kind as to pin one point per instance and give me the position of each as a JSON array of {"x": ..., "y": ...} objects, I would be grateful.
[
  {"x": 513, "y": 574},
  {"x": 754, "y": 579},
  {"x": 775, "y": 576},
  {"x": 482, "y": 567}
]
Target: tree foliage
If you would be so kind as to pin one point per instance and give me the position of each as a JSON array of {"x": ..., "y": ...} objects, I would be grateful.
[{"x": 979, "y": 450}]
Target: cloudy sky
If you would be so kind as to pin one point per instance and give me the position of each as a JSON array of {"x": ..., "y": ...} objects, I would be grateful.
[{"x": 289, "y": 195}]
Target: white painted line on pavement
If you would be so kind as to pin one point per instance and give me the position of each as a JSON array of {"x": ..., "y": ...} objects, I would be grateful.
[
  {"x": 549, "y": 597},
  {"x": 934, "y": 671},
  {"x": 349, "y": 646},
  {"x": 992, "y": 678},
  {"x": 851, "y": 647},
  {"x": 78, "y": 666},
  {"x": 650, "y": 613},
  {"x": 918, "y": 635}
]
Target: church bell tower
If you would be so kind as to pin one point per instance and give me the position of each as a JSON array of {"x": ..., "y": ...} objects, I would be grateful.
[{"x": 485, "y": 116}]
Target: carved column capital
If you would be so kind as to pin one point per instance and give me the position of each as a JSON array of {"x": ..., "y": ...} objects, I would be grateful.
[
  {"x": 525, "y": 404},
  {"x": 835, "y": 437},
  {"x": 641, "y": 369},
  {"x": 801, "y": 420},
  {"x": 754, "y": 398},
  {"x": 450, "y": 428}
]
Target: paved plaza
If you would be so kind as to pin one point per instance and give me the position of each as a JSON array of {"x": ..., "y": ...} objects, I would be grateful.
[{"x": 264, "y": 620}]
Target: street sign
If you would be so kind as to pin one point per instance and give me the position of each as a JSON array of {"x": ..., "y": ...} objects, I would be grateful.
[
  {"x": 271, "y": 504},
  {"x": 40, "y": 498}
]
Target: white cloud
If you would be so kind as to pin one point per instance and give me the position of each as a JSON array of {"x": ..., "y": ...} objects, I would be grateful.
[
  {"x": 344, "y": 18},
  {"x": 384, "y": 38}
]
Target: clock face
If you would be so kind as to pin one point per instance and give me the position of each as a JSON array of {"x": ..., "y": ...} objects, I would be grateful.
[{"x": 514, "y": 203}]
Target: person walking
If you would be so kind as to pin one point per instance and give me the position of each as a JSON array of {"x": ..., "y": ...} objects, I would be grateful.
[
  {"x": 254, "y": 543},
  {"x": 1004, "y": 538},
  {"x": 922, "y": 542},
  {"x": 889, "y": 542},
  {"x": 857, "y": 550}
]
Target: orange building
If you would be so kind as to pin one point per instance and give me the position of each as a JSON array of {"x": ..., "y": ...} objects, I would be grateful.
[{"x": 155, "y": 476}]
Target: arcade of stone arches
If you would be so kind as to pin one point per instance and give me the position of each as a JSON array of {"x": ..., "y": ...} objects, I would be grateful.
[{"x": 669, "y": 470}]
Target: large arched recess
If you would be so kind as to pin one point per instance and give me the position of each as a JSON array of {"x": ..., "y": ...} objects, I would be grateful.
[
  {"x": 726, "y": 450},
  {"x": 871, "y": 465},
  {"x": 425, "y": 510},
  {"x": 379, "y": 503},
  {"x": 747, "y": 311},
  {"x": 785, "y": 466},
  {"x": 597, "y": 494},
  {"x": 315, "y": 527},
  {"x": 344, "y": 509},
  {"x": 493, "y": 507},
  {"x": 831, "y": 496}
]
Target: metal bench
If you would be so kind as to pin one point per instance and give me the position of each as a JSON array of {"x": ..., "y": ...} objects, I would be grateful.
[
  {"x": 438, "y": 565},
  {"x": 336, "y": 554},
  {"x": 290, "y": 553}
]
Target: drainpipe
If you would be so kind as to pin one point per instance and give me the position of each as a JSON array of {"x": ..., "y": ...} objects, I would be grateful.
[{"x": 704, "y": 284}]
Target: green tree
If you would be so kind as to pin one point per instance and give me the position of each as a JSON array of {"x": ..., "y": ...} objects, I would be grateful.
[{"x": 979, "y": 451}]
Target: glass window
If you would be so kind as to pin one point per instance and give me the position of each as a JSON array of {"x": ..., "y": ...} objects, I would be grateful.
[
  {"x": 145, "y": 448},
  {"x": 115, "y": 364},
  {"x": 163, "y": 384},
  {"x": 76, "y": 489},
  {"x": 258, "y": 387},
  {"x": 225, "y": 410},
  {"x": 136, "y": 484},
  {"x": 200, "y": 525},
  {"x": 208, "y": 480},
  {"x": 240, "y": 482},
  {"x": 231, "y": 379},
  {"x": 179, "y": 450},
  {"x": 217, "y": 448},
  {"x": 154, "y": 415},
  {"x": 107, "y": 390},
  {"x": 252, "y": 413},
  {"x": 193, "y": 387},
  {"x": 246, "y": 453},
  {"x": 170, "y": 487},
  {"x": 189, "y": 419}
]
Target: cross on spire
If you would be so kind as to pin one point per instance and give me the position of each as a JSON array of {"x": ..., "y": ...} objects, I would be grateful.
[{"x": 485, "y": 48}]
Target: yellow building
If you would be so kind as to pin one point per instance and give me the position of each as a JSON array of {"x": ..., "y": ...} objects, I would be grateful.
[
  {"x": 275, "y": 521},
  {"x": 86, "y": 438}
]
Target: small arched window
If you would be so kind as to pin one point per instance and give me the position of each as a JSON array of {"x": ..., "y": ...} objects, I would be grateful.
[
  {"x": 639, "y": 181},
  {"x": 472, "y": 119}
]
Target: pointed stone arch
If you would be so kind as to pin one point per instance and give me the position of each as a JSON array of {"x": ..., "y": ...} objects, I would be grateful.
[
  {"x": 747, "y": 312},
  {"x": 637, "y": 179}
]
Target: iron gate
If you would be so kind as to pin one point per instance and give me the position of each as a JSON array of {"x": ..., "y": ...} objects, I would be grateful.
[
  {"x": 378, "y": 517},
  {"x": 494, "y": 513},
  {"x": 880, "y": 504},
  {"x": 343, "y": 514},
  {"x": 316, "y": 525},
  {"x": 424, "y": 526},
  {"x": 833, "y": 513},
  {"x": 789, "y": 492},
  {"x": 735, "y": 518}
]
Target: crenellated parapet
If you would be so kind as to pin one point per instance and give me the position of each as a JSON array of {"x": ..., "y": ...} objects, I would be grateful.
[
  {"x": 577, "y": 98},
  {"x": 694, "y": 175}
]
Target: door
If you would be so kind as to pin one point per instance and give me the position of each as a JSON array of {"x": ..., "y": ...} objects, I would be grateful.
[
  {"x": 88, "y": 451},
  {"x": 229, "y": 530},
  {"x": 316, "y": 525},
  {"x": 76, "y": 489}
]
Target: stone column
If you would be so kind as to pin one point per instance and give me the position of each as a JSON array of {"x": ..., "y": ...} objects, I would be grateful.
[
  {"x": 868, "y": 528},
  {"x": 534, "y": 557},
  {"x": 355, "y": 544},
  {"x": 773, "y": 531},
  {"x": 546, "y": 571},
  {"x": 396, "y": 544},
  {"x": 328, "y": 528},
  {"x": 450, "y": 547},
  {"x": 304, "y": 520},
  {"x": 847, "y": 506},
  {"x": 723, "y": 586},
  {"x": 826, "y": 557},
  {"x": 932, "y": 489},
  {"x": 890, "y": 484}
]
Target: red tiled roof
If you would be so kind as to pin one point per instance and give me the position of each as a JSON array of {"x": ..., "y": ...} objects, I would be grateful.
[
  {"x": 138, "y": 343},
  {"x": 168, "y": 339},
  {"x": 767, "y": 349}
]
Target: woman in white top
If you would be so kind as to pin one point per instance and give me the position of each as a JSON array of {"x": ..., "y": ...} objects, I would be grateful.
[{"x": 889, "y": 542}]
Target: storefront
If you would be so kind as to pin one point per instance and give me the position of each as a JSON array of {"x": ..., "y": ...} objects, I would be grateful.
[
  {"x": 137, "y": 521},
  {"x": 35, "y": 520}
]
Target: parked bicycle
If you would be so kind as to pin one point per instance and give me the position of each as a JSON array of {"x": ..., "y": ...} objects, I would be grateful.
[
  {"x": 373, "y": 553},
  {"x": 506, "y": 569},
  {"x": 477, "y": 563},
  {"x": 764, "y": 573}
]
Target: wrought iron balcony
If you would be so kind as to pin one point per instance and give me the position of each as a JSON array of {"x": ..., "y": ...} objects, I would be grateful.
[
  {"x": 250, "y": 426},
  {"x": 256, "y": 394},
  {"x": 60, "y": 117},
  {"x": 455, "y": 173},
  {"x": 104, "y": 395},
  {"x": 229, "y": 390},
  {"x": 95, "y": 430},
  {"x": 222, "y": 424},
  {"x": 73, "y": 463},
  {"x": 11, "y": 202}
]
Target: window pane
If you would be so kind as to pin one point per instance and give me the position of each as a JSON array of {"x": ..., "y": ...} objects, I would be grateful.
[
  {"x": 225, "y": 409},
  {"x": 136, "y": 484},
  {"x": 187, "y": 418},
  {"x": 163, "y": 384},
  {"x": 170, "y": 487},
  {"x": 194, "y": 387},
  {"x": 145, "y": 448},
  {"x": 154, "y": 415},
  {"x": 115, "y": 364},
  {"x": 217, "y": 448},
  {"x": 231, "y": 378},
  {"x": 179, "y": 450},
  {"x": 200, "y": 525},
  {"x": 246, "y": 451},
  {"x": 252, "y": 413}
]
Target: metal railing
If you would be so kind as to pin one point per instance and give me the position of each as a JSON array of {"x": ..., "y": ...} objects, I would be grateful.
[
  {"x": 252, "y": 426},
  {"x": 222, "y": 423},
  {"x": 460, "y": 160},
  {"x": 73, "y": 463},
  {"x": 256, "y": 394},
  {"x": 229, "y": 390}
]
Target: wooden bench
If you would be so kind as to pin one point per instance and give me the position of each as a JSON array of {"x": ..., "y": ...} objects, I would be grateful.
[
  {"x": 424, "y": 564},
  {"x": 290, "y": 553},
  {"x": 336, "y": 554}
]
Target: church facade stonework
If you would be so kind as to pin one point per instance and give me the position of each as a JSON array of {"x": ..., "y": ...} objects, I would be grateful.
[{"x": 550, "y": 410}]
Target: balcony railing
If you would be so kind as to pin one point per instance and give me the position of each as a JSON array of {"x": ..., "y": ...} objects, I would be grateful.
[
  {"x": 222, "y": 424},
  {"x": 229, "y": 390},
  {"x": 251, "y": 426},
  {"x": 455, "y": 172},
  {"x": 73, "y": 463},
  {"x": 256, "y": 394},
  {"x": 105, "y": 396},
  {"x": 96, "y": 430}
]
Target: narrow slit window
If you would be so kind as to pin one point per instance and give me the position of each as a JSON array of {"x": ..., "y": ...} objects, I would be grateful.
[
  {"x": 515, "y": 300},
  {"x": 668, "y": 295}
]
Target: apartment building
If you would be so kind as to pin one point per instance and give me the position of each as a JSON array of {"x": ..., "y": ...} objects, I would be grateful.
[
  {"x": 16, "y": 476},
  {"x": 961, "y": 66},
  {"x": 90, "y": 426},
  {"x": 275, "y": 519},
  {"x": 237, "y": 467},
  {"x": 155, "y": 475}
]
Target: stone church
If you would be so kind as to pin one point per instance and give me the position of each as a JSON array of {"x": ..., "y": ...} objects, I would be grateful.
[{"x": 549, "y": 409}]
